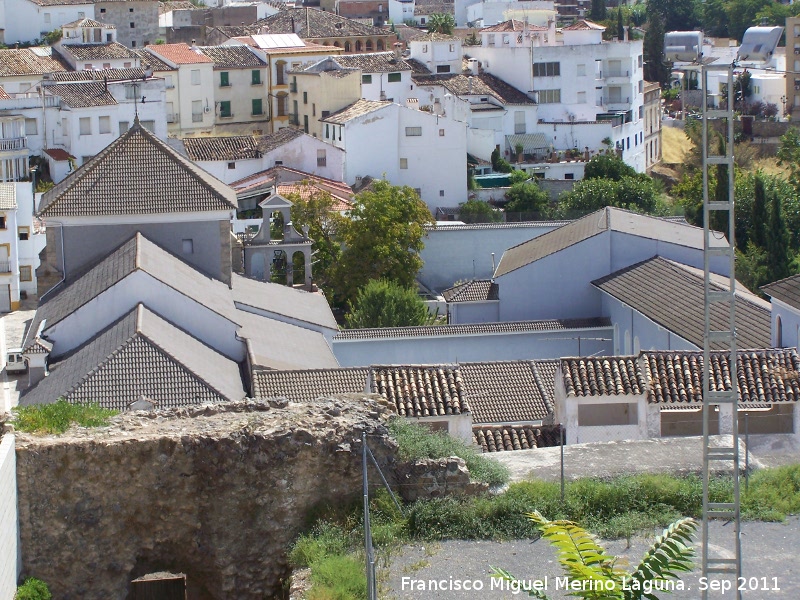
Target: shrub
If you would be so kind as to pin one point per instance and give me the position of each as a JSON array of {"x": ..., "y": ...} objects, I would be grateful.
[
  {"x": 33, "y": 589},
  {"x": 58, "y": 416},
  {"x": 418, "y": 442},
  {"x": 338, "y": 578}
]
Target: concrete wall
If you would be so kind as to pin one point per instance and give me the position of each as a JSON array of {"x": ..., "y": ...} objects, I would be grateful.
[
  {"x": 9, "y": 530},
  {"x": 457, "y": 253},
  {"x": 634, "y": 331},
  {"x": 143, "y": 15},
  {"x": 474, "y": 312},
  {"x": 473, "y": 348},
  {"x": 787, "y": 320}
]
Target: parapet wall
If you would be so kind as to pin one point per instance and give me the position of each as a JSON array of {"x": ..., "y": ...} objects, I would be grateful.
[
  {"x": 9, "y": 564},
  {"x": 216, "y": 492}
]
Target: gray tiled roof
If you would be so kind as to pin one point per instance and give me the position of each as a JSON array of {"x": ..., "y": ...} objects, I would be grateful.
[
  {"x": 105, "y": 74},
  {"x": 271, "y": 141},
  {"x": 359, "y": 108},
  {"x": 312, "y": 24},
  {"x": 508, "y": 391},
  {"x": 137, "y": 253},
  {"x": 420, "y": 390},
  {"x": 99, "y": 51},
  {"x": 476, "y": 85},
  {"x": 763, "y": 376},
  {"x": 472, "y": 329},
  {"x": 514, "y": 225},
  {"x": 26, "y": 62},
  {"x": 221, "y": 148},
  {"x": 602, "y": 376},
  {"x": 440, "y": 8},
  {"x": 307, "y": 385},
  {"x": 134, "y": 175},
  {"x": 507, "y": 438},
  {"x": 378, "y": 62},
  {"x": 8, "y": 196},
  {"x": 82, "y": 94},
  {"x": 645, "y": 286},
  {"x": 140, "y": 355},
  {"x": 786, "y": 291},
  {"x": 476, "y": 290},
  {"x": 232, "y": 57}
]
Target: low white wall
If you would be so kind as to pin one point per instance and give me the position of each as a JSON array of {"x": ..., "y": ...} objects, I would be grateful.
[{"x": 9, "y": 528}]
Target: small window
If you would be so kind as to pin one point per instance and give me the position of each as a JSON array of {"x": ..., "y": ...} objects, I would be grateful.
[
  {"x": 130, "y": 10},
  {"x": 569, "y": 175},
  {"x": 255, "y": 77},
  {"x": 403, "y": 163},
  {"x": 127, "y": 65},
  {"x": 102, "y": 10},
  {"x": 188, "y": 246},
  {"x": 105, "y": 124},
  {"x": 133, "y": 25},
  {"x": 327, "y": 131},
  {"x": 394, "y": 77},
  {"x": 258, "y": 108},
  {"x": 23, "y": 233},
  {"x": 322, "y": 160},
  {"x": 2, "y": 221},
  {"x": 413, "y": 131},
  {"x": 133, "y": 43},
  {"x": 25, "y": 273},
  {"x": 225, "y": 109},
  {"x": 195, "y": 76},
  {"x": 452, "y": 47},
  {"x": 31, "y": 127},
  {"x": 81, "y": 15},
  {"x": 123, "y": 127},
  {"x": 85, "y": 125},
  {"x": 441, "y": 133},
  {"x": 224, "y": 79},
  {"x": 366, "y": 79},
  {"x": 442, "y": 68},
  {"x": 149, "y": 125},
  {"x": 47, "y": 18},
  {"x": 231, "y": 165},
  {"x": 305, "y": 97}
]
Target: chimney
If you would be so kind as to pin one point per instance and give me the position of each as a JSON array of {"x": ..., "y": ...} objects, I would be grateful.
[
  {"x": 625, "y": 33},
  {"x": 398, "y": 51},
  {"x": 105, "y": 83},
  {"x": 474, "y": 66},
  {"x": 294, "y": 29}
]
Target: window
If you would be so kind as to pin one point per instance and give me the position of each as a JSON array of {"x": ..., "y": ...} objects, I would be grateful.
[
  {"x": 305, "y": 97},
  {"x": 505, "y": 39},
  {"x": 403, "y": 163},
  {"x": 23, "y": 233},
  {"x": 283, "y": 104},
  {"x": 519, "y": 122},
  {"x": 569, "y": 175},
  {"x": 581, "y": 97},
  {"x": 441, "y": 193},
  {"x": 358, "y": 46},
  {"x": 547, "y": 69},
  {"x": 418, "y": 191},
  {"x": 641, "y": 87},
  {"x": 224, "y": 79},
  {"x": 452, "y": 47},
  {"x": 393, "y": 77},
  {"x": 197, "y": 111},
  {"x": 123, "y": 127},
  {"x": 85, "y": 124},
  {"x": 188, "y": 246},
  {"x": 549, "y": 96},
  {"x": 305, "y": 123},
  {"x": 441, "y": 133},
  {"x": 413, "y": 131},
  {"x": 280, "y": 72},
  {"x": 195, "y": 76},
  {"x": 105, "y": 124},
  {"x": 102, "y": 10},
  {"x": 490, "y": 39},
  {"x": 87, "y": 67},
  {"x": 47, "y": 18},
  {"x": 25, "y": 273},
  {"x": 133, "y": 25},
  {"x": 255, "y": 77},
  {"x": 126, "y": 65},
  {"x": 130, "y": 10},
  {"x": 258, "y": 109},
  {"x": 327, "y": 131},
  {"x": 130, "y": 92},
  {"x": 641, "y": 60},
  {"x": 133, "y": 43},
  {"x": 313, "y": 110},
  {"x": 168, "y": 82},
  {"x": 31, "y": 127},
  {"x": 81, "y": 15},
  {"x": 149, "y": 125},
  {"x": 225, "y": 109},
  {"x": 322, "y": 160},
  {"x": 366, "y": 79},
  {"x": 442, "y": 68},
  {"x": 425, "y": 48},
  {"x": 231, "y": 165}
]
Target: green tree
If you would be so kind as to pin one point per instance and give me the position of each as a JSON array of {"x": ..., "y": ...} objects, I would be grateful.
[
  {"x": 789, "y": 156},
  {"x": 526, "y": 197},
  {"x": 639, "y": 194},
  {"x": 441, "y": 23},
  {"x": 676, "y": 15},
  {"x": 607, "y": 166},
  {"x": 583, "y": 559},
  {"x": 743, "y": 14},
  {"x": 715, "y": 18},
  {"x": 719, "y": 220},
  {"x": 778, "y": 254},
  {"x": 758, "y": 225},
  {"x": 382, "y": 239},
  {"x": 478, "y": 211},
  {"x": 598, "y": 12},
  {"x": 751, "y": 267},
  {"x": 620, "y": 27},
  {"x": 383, "y": 303},
  {"x": 655, "y": 67}
]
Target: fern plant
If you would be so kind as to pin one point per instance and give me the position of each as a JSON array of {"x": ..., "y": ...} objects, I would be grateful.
[{"x": 593, "y": 574}]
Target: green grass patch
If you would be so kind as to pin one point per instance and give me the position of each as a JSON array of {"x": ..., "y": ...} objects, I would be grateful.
[
  {"x": 58, "y": 416},
  {"x": 33, "y": 589},
  {"x": 417, "y": 442},
  {"x": 338, "y": 578}
]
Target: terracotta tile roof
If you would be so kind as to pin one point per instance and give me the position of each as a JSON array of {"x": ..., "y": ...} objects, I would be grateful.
[
  {"x": 180, "y": 54},
  {"x": 308, "y": 385},
  {"x": 4, "y": 95},
  {"x": 307, "y": 189},
  {"x": 515, "y": 437},
  {"x": 151, "y": 61},
  {"x": 105, "y": 74},
  {"x": 232, "y": 57},
  {"x": 476, "y": 290},
  {"x": 584, "y": 25},
  {"x": 58, "y": 154},
  {"x": 509, "y": 391},
  {"x": 358, "y": 109},
  {"x": 421, "y": 36},
  {"x": 471, "y": 329},
  {"x": 26, "y": 62},
  {"x": 141, "y": 355},
  {"x": 602, "y": 376},
  {"x": 476, "y": 85},
  {"x": 645, "y": 285},
  {"x": 421, "y": 391},
  {"x": 88, "y": 23},
  {"x": 39, "y": 346},
  {"x": 785, "y": 290},
  {"x": 281, "y": 175},
  {"x": 429, "y": 9},
  {"x": 134, "y": 175},
  {"x": 62, "y": 2},
  {"x": 271, "y": 141},
  {"x": 99, "y": 51},
  {"x": 311, "y": 23},
  {"x": 82, "y": 94},
  {"x": 378, "y": 62},
  {"x": 512, "y": 25},
  {"x": 221, "y": 148}
]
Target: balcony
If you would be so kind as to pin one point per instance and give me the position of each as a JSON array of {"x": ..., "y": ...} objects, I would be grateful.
[
  {"x": 616, "y": 100},
  {"x": 5, "y": 266},
  {"x": 617, "y": 74},
  {"x": 13, "y": 144}
]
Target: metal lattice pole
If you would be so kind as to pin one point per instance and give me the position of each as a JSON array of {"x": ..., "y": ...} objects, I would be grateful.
[{"x": 719, "y": 334}]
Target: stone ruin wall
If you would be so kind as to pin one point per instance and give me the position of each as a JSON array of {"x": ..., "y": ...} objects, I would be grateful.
[{"x": 216, "y": 492}]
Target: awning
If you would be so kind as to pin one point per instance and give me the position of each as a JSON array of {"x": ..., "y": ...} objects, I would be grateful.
[{"x": 531, "y": 142}]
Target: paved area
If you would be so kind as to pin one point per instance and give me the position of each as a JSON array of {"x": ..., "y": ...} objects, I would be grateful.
[
  {"x": 769, "y": 553},
  {"x": 13, "y": 326},
  {"x": 642, "y": 456}
]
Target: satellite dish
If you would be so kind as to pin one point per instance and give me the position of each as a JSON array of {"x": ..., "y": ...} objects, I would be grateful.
[
  {"x": 683, "y": 46},
  {"x": 759, "y": 43}
]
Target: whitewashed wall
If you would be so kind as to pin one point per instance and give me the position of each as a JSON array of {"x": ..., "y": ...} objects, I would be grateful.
[{"x": 9, "y": 528}]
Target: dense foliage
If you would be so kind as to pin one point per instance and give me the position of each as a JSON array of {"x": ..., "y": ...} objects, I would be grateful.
[{"x": 383, "y": 303}]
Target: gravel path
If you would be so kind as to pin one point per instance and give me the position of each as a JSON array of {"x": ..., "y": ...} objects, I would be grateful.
[{"x": 769, "y": 550}]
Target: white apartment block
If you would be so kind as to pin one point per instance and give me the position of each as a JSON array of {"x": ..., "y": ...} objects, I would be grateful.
[{"x": 20, "y": 244}]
